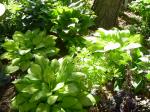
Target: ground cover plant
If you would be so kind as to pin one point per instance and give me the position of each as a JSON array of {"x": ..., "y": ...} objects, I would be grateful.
[
  {"x": 20, "y": 50},
  {"x": 52, "y": 87},
  {"x": 55, "y": 63},
  {"x": 123, "y": 53},
  {"x": 142, "y": 8}
]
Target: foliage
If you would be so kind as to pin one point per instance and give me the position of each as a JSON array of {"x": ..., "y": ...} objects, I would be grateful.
[
  {"x": 21, "y": 49},
  {"x": 108, "y": 56},
  {"x": 71, "y": 22},
  {"x": 52, "y": 86},
  {"x": 67, "y": 19},
  {"x": 142, "y": 7},
  {"x": 46, "y": 84}
]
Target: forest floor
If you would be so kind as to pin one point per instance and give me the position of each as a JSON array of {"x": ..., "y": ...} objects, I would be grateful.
[{"x": 123, "y": 101}]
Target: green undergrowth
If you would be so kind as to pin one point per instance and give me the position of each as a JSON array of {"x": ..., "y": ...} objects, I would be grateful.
[{"x": 33, "y": 36}]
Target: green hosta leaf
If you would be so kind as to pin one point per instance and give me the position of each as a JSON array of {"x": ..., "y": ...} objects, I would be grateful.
[
  {"x": 43, "y": 108},
  {"x": 148, "y": 76},
  {"x": 124, "y": 33},
  {"x": 88, "y": 100},
  {"x": 15, "y": 61},
  {"x": 145, "y": 59},
  {"x": 39, "y": 39},
  {"x": 111, "y": 46},
  {"x": 52, "y": 99},
  {"x": 11, "y": 69},
  {"x": 69, "y": 101},
  {"x": 2, "y": 9},
  {"x": 78, "y": 76},
  {"x": 32, "y": 88},
  {"x": 39, "y": 46},
  {"x": 24, "y": 65},
  {"x": 21, "y": 83},
  {"x": 59, "y": 86},
  {"x": 18, "y": 37},
  {"x": 42, "y": 94},
  {"x": 77, "y": 106},
  {"x": 19, "y": 99},
  {"x": 50, "y": 41},
  {"x": 57, "y": 109},
  {"x": 72, "y": 25},
  {"x": 23, "y": 52},
  {"x": 132, "y": 46},
  {"x": 39, "y": 95},
  {"x": 31, "y": 77},
  {"x": 66, "y": 68},
  {"x": 48, "y": 75},
  {"x": 36, "y": 70},
  {"x": 55, "y": 65},
  {"x": 10, "y": 45},
  {"x": 42, "y": 61},
  {"x": 71, "y": 89},
  {"x": 8, "y": 55},
  {"x": 26, "y": 107}
]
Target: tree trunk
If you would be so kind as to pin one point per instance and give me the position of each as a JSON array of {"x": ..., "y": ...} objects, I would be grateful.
[{"x": 107, "y": 12}]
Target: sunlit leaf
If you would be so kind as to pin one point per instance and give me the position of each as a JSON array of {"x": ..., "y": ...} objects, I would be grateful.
[{"x": 2, "y": 9}]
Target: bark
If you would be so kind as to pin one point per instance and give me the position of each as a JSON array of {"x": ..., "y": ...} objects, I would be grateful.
[{"x": 107, "y": 12}]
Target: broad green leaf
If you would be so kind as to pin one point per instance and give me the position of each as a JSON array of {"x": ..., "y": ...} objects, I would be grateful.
[
  {"x": 111, "y": 46},
  {"x": 66, "y": 68},
  {"x": 148, "y": 76},
  {"x": 55, "y": 65},
  {"x": 23, "y": 52},
  {"x": 10, "y": 45},
  {"x": 42, "y": 61},
  {"x": 42, "y": 94},
  {"x": 59, "y": 86},
  {"x": 91, "y": 98},
  {"x": 38, "y": 38},
  {"x": 2, "y": 9},
  {"x": 26, "y": 107},
  {"x": 85, "y": 101},
  {"x": 19, "y": 99},
  {"x": 18, "y": 37},
  {"x": 50, "y": 41},
  {"x": 71, "y": 89},
  {"x": 11, "y": 69},
  {"x": 78, "y": 76},
  {"x": 31, "y": 89},
  {"x": 57, "y": 109},
  {"x": 39, "y": 95},
  {"x": 43, "y": 108},
  {"x": 48, "y": 75},
  {"x": 145, "y": 59},
  {"x": 36, "y": 70},
  {"x": 146, "y": 1},
  {"x": 52, "y": 99},
  {"x": 132, "y": 46},
  {"x": 69, "y": 101},
  {"x": 124, "y": 33},
  {"x": 15, "y": 61},
  {"x": 77, "y": 106},
  {"x": 31, "y": 77},
  {"x": 24, "y": 65}
]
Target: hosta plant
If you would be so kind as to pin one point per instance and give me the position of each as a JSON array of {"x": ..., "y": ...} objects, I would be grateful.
[
  {"x": 52, "y": 87},
  {"x": 21, "y": 48},
  {"x": 70, "y": 22},
  {"x": 110, "y": 55},
  {"x": 61, "y": 15}
]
